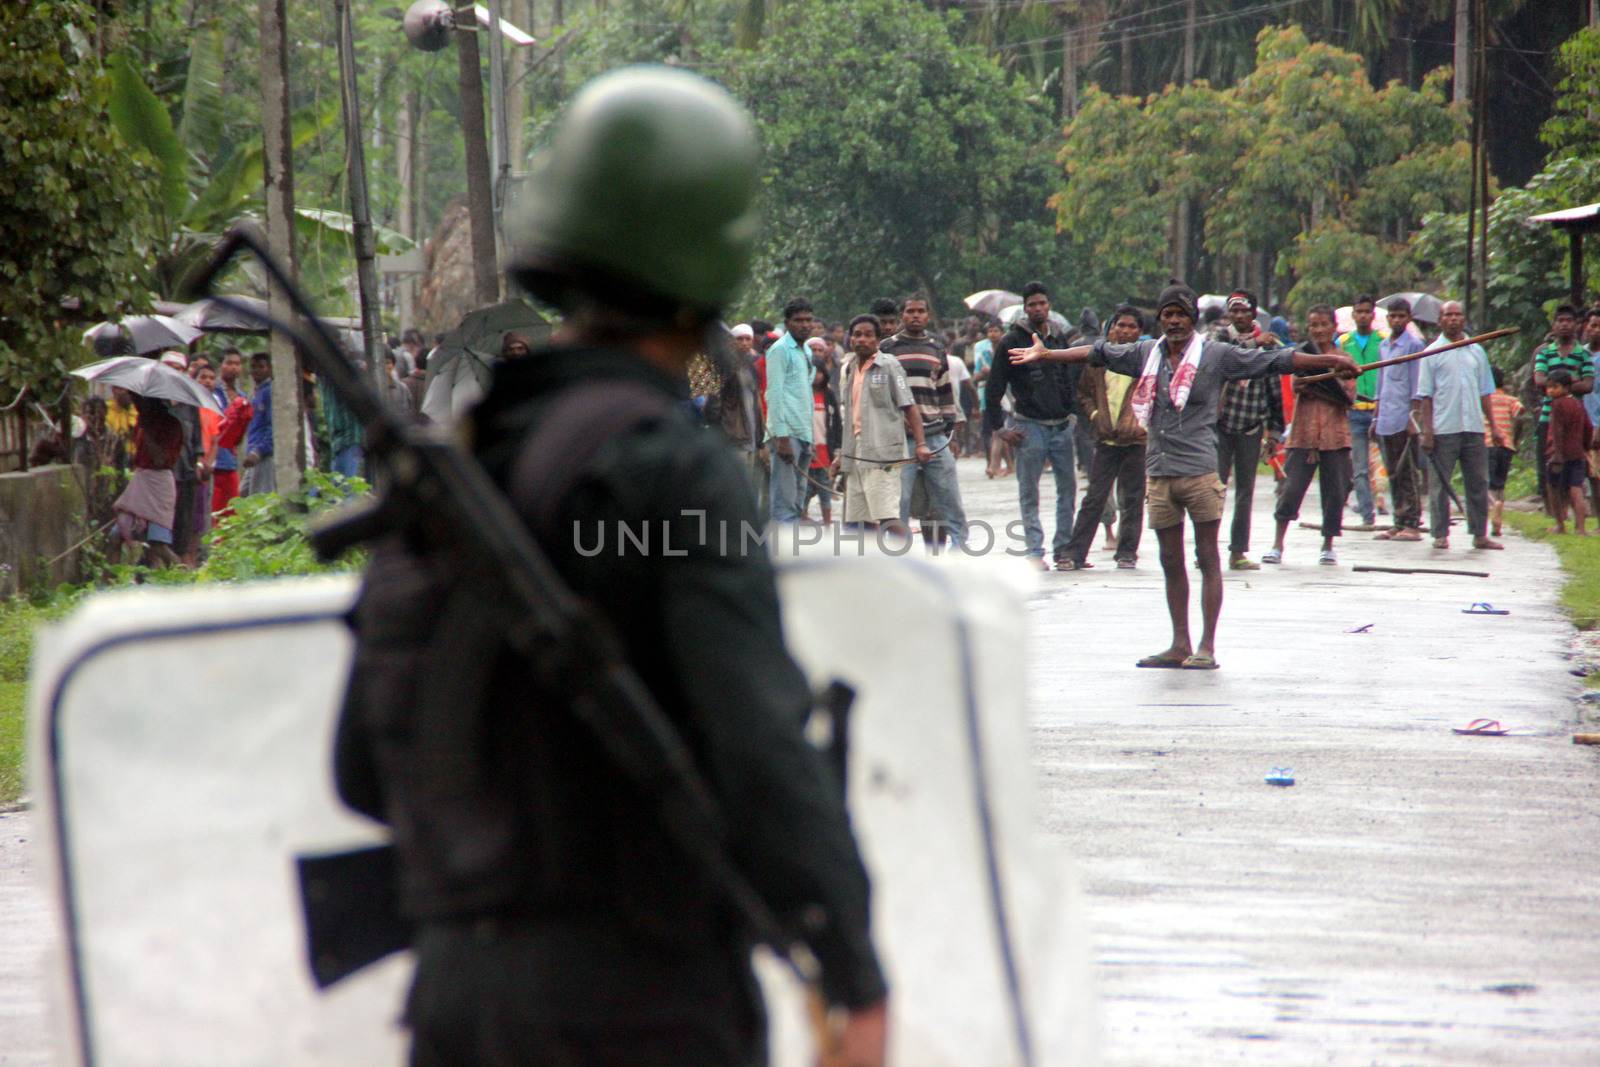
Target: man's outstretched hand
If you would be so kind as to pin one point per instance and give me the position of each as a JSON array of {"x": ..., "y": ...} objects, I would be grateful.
[
  {"x": 863, "y": 1040},
  {"x": 1347, "y": 368},
  {"x": 1032, "y": 354}
]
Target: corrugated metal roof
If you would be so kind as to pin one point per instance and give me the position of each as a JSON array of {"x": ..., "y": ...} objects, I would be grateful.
[{"x": 1587, "y": 213}]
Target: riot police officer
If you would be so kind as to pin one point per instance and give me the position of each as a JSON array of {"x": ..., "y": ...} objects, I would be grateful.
[{"x": 557, "y": 923}]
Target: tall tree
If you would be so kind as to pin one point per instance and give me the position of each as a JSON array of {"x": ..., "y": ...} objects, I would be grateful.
[
  {"x": 924, "y": 174},
  {"x": 63, "y": 236},
  {"x": 288, "y": 440}
]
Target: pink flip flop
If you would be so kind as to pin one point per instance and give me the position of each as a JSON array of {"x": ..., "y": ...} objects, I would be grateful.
[{"x": 1482, "y": 728}]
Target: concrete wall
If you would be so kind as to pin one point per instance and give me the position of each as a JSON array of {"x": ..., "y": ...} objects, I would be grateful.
[{"x": 41, "y": 516}]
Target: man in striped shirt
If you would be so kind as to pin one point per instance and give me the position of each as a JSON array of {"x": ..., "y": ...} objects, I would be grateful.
[
  {"x": 922, "y": 357},
  {"x": 1563, "y": 353}
]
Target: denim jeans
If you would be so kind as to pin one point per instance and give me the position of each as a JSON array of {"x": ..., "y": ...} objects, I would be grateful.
[
  {"x": 1124, "y": 465},
  {"x": 347, "y": 461},
  {"x": 789, "y": 480},
  {"x": 1361, "y": 462},
  {"x": 939, "y": 482},
  {"x": 1057, "y": 444}
]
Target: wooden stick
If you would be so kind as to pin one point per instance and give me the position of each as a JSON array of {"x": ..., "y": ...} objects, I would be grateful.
[
  {"x": 1420, "y": 570},
  {"x": 1464, "y": 342},
  {"x": 1586, "y": 739}
]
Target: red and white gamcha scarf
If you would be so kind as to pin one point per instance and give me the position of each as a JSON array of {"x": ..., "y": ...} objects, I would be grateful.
[{"x": 1144, "y": 393}]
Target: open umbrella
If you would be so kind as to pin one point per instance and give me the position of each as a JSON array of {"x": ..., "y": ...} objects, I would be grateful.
[
  {"x": 992, "y": 302},
  {"x": 148, "y": 333},
  {"x": 459, "y": 369},
  {"x": 1013, "y": 315},
  {"x": 151, "y": 378},
  {"x": 1424, "y": 306},
  {"x": 212, "y": 316}
]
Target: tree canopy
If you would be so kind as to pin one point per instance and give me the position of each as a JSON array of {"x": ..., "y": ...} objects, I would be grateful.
[
  {"x": 1302, "y": 161},
  {"x": 79, "y": 208}
]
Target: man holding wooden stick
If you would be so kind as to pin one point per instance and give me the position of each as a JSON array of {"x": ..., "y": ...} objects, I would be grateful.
[{"x": 1453, "y": 391}]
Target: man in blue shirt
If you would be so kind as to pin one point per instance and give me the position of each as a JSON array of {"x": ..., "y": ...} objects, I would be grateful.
[
  {"x": 789, "y": 410},
  {"x": 260, "y": 477},
  {"x": 1454, "y": 389},
  {"x": 1391, "y": 422}
]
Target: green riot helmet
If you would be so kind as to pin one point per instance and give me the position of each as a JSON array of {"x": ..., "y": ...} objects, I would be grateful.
[{"x": 646, "y": 191}]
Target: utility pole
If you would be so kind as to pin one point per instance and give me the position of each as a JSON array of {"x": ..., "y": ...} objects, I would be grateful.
[
  {"x": 405, "y": 154},
  {"x": 1189, "y": 13},
  {"x": 480, "y": 192},
  {"x": 277, "y": 173},
  {"x": 501, "y": 154},
  {"x": 1181, "y": 238},
  {"x": 1069, "y": 68},
  {"x": 520, "y": 88},
  {"x": 360, "y": 206},
  {"x": 1480, "y": 85},
  {"x": 1127, "y": 61},
  {"x": 1462, "y": 92}
]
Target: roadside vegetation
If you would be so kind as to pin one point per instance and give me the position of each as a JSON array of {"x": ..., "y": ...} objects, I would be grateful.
[
  {"x": 264, "y": 538},
  {"x": 1580, "y": 564}
]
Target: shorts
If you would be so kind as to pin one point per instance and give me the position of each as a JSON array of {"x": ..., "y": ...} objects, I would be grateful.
[
  {"x": 871, "y": 494},
  {"x": 1499, "y": 466},
  {"x": 1572, "y": 474},
  {"x": 1201, "y": 495}
]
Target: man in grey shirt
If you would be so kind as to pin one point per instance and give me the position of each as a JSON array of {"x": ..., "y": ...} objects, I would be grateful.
[
  {"x": 1179, "y": 382},
  {"x": 879, "y": 414}
]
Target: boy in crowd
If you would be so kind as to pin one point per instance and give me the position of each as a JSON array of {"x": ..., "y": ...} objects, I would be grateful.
[
  {"x": 1570, "y": 439},
  {"x": 1504, "y": 412}
]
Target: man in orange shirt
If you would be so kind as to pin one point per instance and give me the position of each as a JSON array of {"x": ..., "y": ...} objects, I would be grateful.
[{"x": 1504, "y": 411}]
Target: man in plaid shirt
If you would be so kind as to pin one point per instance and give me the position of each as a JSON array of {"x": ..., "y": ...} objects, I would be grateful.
[{"x": 1251, "y": 412}]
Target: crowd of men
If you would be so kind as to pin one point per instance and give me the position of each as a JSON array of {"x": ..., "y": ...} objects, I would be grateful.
[
  {"x": 905, "y": 388},
  {"x": 882, "y": 421},
  {"x": 874, "y": 412}
]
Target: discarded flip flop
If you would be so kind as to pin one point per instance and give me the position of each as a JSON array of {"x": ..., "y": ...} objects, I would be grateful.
[
  {"x": 1159, "y": 662},
  {"x": 1200, "y": 662},
  {"x": 1365, "y": 628},
  {"x": 1280, "y": 776},
  {"x": 1484, "y": 608},
  {"x": 1482, "y": 728}
]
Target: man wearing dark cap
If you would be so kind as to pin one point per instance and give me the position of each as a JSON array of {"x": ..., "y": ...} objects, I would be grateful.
[
  {"x": 558, "y": 921},
  {"x": 1248, "y": 424},
  {"x": 1176, "y": 398}
]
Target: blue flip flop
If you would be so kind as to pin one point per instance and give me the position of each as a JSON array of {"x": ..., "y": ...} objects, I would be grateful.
[{"x": 1484, "y": 608}]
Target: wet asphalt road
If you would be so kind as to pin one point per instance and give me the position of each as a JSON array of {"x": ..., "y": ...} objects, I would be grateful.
[{"x": 1416, "y": 897}]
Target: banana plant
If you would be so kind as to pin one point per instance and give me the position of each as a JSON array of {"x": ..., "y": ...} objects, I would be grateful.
[{"x": 200, "y": 197}]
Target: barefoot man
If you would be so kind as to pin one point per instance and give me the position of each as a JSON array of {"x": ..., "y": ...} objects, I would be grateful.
[{"x": 1179, "y": 380}]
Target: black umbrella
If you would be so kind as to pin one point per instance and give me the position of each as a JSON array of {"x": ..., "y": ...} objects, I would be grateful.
[
  {"x": 459, "y": 369},
  {"x": 1424, "y": 306},
  {"x": 141, "y": 333},
  {"x": 152, "y": 378}
]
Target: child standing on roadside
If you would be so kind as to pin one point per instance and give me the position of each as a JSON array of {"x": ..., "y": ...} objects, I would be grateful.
[
  {"x": 1505, "y": 411},
  {"x": 1570, "y": 438}
]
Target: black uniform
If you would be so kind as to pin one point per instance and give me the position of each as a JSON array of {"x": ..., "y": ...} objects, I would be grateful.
[
  {"x": 1043, "y": 390},
  {"x": 558, "y": 923}
]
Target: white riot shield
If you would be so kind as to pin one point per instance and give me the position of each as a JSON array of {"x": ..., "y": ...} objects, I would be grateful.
[{"x": 182, "y": 751}]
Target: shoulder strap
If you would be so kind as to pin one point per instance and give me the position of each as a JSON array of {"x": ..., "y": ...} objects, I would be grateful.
[{"x": 574, "y": 429}]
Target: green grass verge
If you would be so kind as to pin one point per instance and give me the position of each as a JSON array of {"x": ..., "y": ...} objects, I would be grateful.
[
  {"x": 1580, "y": 562},
  {"x": 11, "y": 740},
  {"x": 19, "y": 619}
]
